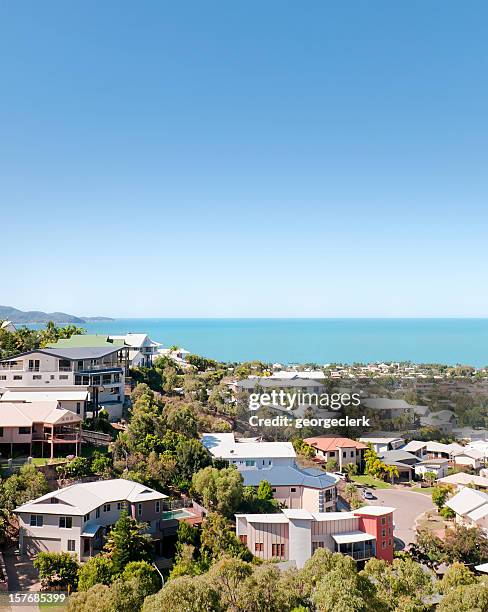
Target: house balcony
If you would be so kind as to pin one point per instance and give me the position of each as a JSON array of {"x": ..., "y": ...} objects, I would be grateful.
[{"x": 61, "y": 436}]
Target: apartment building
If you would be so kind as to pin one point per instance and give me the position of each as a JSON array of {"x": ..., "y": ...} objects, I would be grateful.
[
  {"x": 77, "y": 518},
  {"x": 100, "y": 371},
  {"x": 42, "y": 426},
  {"x": 294, "y": 486},
  {"x": 343, "y": 450},
  {"x": 294, "y": 535}
]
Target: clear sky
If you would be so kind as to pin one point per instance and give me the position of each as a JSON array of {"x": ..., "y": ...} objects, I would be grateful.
[{"x": 244, "y": 158}]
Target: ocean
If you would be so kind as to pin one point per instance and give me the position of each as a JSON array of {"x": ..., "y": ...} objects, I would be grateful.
[{"x": 449, "y": 341}]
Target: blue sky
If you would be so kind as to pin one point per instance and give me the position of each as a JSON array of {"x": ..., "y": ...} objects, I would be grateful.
[{"x": 244, "y": 158}]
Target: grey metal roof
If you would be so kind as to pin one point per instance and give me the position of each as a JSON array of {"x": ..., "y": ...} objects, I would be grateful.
[
  {"x": 287, "y": 475},
  {"x": 81, "y": 352},
  {"x": 398, "y": 456}
]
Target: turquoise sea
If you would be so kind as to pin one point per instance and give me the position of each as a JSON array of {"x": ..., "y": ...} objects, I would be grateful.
[{"x": 320, "y": 341}]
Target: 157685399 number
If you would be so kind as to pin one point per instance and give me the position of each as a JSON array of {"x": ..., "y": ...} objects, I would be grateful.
[{"x": 26, "y": 598}]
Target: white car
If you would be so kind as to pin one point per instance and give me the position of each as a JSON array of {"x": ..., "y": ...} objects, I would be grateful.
[{"x": 367, "y": 494}]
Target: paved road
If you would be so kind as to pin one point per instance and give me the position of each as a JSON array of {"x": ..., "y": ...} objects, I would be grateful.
[{"x": 409, "y": 505}]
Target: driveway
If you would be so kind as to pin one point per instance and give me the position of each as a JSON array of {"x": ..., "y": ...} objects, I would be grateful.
[{"x": 409, "y": 505}]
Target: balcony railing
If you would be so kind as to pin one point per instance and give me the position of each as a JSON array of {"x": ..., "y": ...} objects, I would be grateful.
[{"x": 74, "y": 437}]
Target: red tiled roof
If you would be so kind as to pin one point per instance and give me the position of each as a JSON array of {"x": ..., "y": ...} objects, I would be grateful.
[{"x": 327, "y": 444}]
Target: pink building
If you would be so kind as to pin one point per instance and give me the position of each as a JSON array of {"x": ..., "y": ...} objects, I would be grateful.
[
  {"x": 25, "y": 426},
  {"x": 294, "y": 535}
]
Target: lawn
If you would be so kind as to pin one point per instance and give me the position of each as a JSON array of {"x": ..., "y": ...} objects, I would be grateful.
[
  {"x": 369, "y": 481},
  {"x": 425, "y": 490}
]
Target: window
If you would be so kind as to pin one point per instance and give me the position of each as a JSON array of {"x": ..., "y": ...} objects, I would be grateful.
[
  {"x": 383, "y": 533},
  {"x": 139, "y": 509},
  {"x": 120, "y": 505},
  {"x": 78, "y": 407},
  {"x": 97, "y": 513},
  {"x": 106, "y": 379},
  {"x": 24, "y": 430},
  {"x": 71, "y": 546},
  {"x": 33, "y": 365},
  {"x": 1, "y": 432},
  {"x": 63, "y": 377},
  {"x": 87, "y": 517},
  {"x": 293, "y": 490},
  {"x": 65, "y": 522},
  {"x": 316, "y": 545},
  {"x": 259, "y": 546},
  {"x": 277, "y": 550},
  {"x": 106, "y": 507},
  {"x": 36, "y": 377},
  {"x": 96, "y": 380},
  {"x": 383, "y": 520},
  {"x": 274, "y": 490},
  {"x": 352, "y": 453},
  {"x": 383, "y": 544},
  {"x": 17, "y": 377},
  {"x": 54, "y": 500},
  {"x": 389, "y": 542},
  {"x": 243, "y": 539},
  {"x": 64, "y": 365},
  {"x": 157, "y": 507},
  {"x": 344, "y": 454},
  {"x": 36, "y": 520}
]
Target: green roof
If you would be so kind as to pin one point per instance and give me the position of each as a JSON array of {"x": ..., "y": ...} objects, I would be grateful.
[{"x": 86, "y": 340}]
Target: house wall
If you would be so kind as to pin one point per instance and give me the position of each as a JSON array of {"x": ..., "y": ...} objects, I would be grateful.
[
  {"x": 290, "y": 496},
  {"x": 381, "y": 527},
  {"x": 300, "y": 541},
  {"x": 268, "y": 534},
  {"x": 11, "y": 435}
]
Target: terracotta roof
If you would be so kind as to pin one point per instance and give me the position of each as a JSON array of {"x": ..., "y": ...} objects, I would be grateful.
[{"x": 326, "y": 443}]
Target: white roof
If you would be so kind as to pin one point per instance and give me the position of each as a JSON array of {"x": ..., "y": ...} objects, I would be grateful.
[
  {"x": 298, "y": 514},
  {"x": 136, "y": 340},
  {"x": 352, "y": 536},
  {"x": 478, "y": 513},
  {"x": 79, "y": 499},
  {"x": 29, "y": 396},
  {"x": 24, "y": 414},
  {"x": 375, "y": 440},
  {"x": 439, "y": 447},
  {"x": 224, "y": 446},
  {"x": 461, "y": 478},
  {"x": 414, "y": 446},
  {"x": 472, "y": 453},
  {"x": 467, "y": 500},
  {"x": 264, "y": 518},
  {"x": 384, "y": 403},
  {"x": 482, "y": 568},
  {"x": 313, "y": 375},
  {"x": 374, "y": 510}
]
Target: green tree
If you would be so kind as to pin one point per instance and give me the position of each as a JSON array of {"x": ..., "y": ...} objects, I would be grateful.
[
  {"x": 97, "y": 570},
  {"x": 219, "y": 539},
  {"x": 145, "y": 573},
  {"x": 98, "y": 598},
  {"x": 439, "y": 496},
  {"x": 57, "y": 570},
  {"x": 185, "y": 594},
  {"x": 126, "y": 543},
  {"x": 265, "y": 492},
  {"x": 456, "y": 575},
  {"x": 191, "y": 456},
  {"x": 220, "y": 490},
  {"x": 465, "y": 598}
]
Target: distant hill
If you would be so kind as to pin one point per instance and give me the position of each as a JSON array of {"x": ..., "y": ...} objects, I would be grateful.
[{"x": 37, "y": 316}]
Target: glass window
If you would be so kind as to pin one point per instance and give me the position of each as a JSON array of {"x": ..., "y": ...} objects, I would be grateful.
[
  {"x": 65, "y": 522},
  {"x": 106, "y": 507},
  {"x": 71, "y": 546},
  {"x": 36, "y": 520}
]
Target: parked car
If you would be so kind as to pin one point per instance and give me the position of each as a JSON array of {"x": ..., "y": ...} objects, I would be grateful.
[{"x": 366, "y": 493}]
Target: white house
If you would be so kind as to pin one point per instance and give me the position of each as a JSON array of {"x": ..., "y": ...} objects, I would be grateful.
[
  {"x": 100, "y": 371},
  {"x": 461, "y": 479},
  {"x": 294, "y": 535},
  {"x": 416, "y": 447},
  {"x": 469, "y": 456},
  {"x": 470, "y": 506},
  {"x": 382, "y": 444},
  {"x": 142, "y": 350},
  {"x": 438, "y": 466},
  {"x": 295, "y": 487},
  {"x": 8, "y": 326},
  {"x": 76, "y": 519}
]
